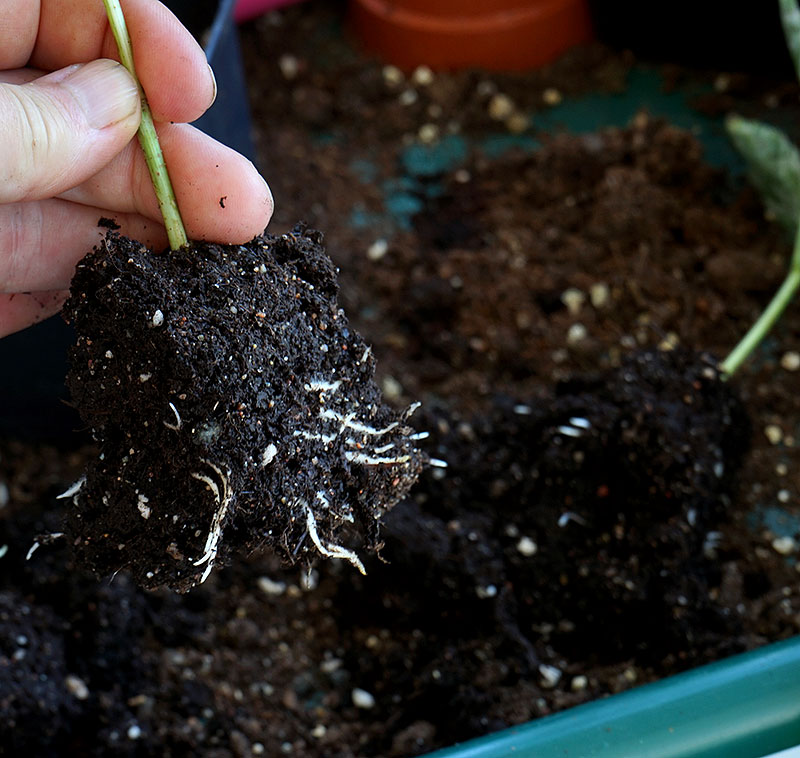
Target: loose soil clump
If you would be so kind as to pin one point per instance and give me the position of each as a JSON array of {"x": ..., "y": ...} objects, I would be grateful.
[{"x": 227, "y": 394}]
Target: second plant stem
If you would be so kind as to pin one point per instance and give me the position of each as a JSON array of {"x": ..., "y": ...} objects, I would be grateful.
[
  {"x": 767, "y": 319},
  {"x": 148, "y": 138}
]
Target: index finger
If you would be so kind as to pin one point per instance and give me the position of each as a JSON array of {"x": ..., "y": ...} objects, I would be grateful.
[{"x": 170, "y": 64}]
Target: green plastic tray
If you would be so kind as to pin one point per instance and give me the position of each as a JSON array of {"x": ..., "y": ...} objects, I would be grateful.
[{"x": 747, "y": 706}]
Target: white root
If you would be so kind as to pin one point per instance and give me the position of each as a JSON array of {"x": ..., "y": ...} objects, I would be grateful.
[
  {"x": 320, "y": 385},
  {"x": 373, "y": 455},
  {"x": 568, "y": 516},
  {"x": 73, "y": 490},
  {"x": 412, "y": 409},
  {"x": 325, "y": 439},
  {"x": 332, "y": 550},
  {"x": 346, "y": 516},
  {"x": 215, "y": 532},
  {"x": 371, "y": 460},
  {"x": 178, "y": 421},
  {"x": 45, "y": 540},
  {"x": 349, "y": 422},
  {"x": 210, "y": 483}
]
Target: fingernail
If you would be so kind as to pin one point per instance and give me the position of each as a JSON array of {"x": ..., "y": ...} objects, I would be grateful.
[
  {"x": 214, "y": 82},
  {"x": 106, "y": 92}
]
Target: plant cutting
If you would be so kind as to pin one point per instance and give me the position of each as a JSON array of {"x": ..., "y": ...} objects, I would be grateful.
[{"x": 228, "y": 396}]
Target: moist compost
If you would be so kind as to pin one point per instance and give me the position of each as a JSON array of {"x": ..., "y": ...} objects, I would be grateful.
[{"x": 228, "y": 396}]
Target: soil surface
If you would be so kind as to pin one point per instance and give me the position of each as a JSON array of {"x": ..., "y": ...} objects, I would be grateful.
[{"x": 608, "y": 516}]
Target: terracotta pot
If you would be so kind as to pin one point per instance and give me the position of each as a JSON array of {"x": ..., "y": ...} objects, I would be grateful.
[{"x": 451, "y": 34}]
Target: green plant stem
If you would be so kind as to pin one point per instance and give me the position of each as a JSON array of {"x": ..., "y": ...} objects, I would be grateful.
[
  {"x": 767, "y": 319},
  {"x": 148, "y": 138},
  {"x": 790, "y": 20}
]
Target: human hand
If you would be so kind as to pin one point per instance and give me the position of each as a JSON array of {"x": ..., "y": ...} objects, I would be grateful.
[{"x": 68, "y": 116}]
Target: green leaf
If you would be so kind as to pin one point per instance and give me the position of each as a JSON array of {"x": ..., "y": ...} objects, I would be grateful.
[
  {"x": 773, "y": 165},
  {"x": 790, "y": 19}
]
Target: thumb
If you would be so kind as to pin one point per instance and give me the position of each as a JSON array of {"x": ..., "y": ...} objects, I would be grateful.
[{"x": 60, "y": 129}]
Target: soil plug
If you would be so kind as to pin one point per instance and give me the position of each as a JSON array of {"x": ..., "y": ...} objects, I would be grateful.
[{"x": 233, "y": 406}]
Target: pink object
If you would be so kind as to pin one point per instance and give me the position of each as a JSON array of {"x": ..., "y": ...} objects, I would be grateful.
[{"x": 247, "y": 9}]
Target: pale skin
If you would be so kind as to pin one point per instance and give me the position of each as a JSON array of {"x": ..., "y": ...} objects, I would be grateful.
[{"x": 69, "y": 157}]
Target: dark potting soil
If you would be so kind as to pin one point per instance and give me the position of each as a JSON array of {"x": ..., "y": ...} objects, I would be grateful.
[
  {"x": 233, "y": 406},
  {"x": 513, "y": 305},
  {"x": 620, "y": 476}
]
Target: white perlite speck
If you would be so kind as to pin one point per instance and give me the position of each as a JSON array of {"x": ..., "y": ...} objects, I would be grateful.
[
  {"x": 269, "y": 454},
  {"x": 270, "y": 586},
  {"x": 158, "y": 318},
  {"x": 773, "y": 433},
  {"x": 552, "y": 97},
  {"x": 362, "y": 698},
  {"x": 76, "y": 687},
  {"x": 790, "y": 361},
  {"x": 428, "y": 134},
  {"x": 578, "y": 683},
  {"x": 134, "y": 732},
  {"x": 289, "y": 66},
  {"x": 527, "y": 547},
  {"x": 500, "y": 107},
  {"x": 551, "y": 675},
  {"x": 392, "y": 76},
  {"x": 143, "y": 506},
  {"x": 377, "y": 249},
  {"x": 599, "y": 294},
  {"x": 422, "y": 76},
  {"x": 576, "y": 333},
  {"x": 573, "y": 299},
  {"x": 784, "y": 545}
]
